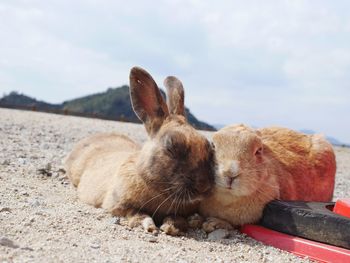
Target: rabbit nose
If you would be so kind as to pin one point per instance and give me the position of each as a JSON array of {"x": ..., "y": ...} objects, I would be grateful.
[
  {"x": 229, "y": 179},
  {"x": 228, "y": 182}
]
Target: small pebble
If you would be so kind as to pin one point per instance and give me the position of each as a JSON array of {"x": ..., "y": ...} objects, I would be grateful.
[
  {"x": 115, "y": 220},
  {"x": 218, "y": 234},
  {"x": 4, "y": 241},
  {"x": 24, "y": 193},
  {"x": 27, "y": 248},
  {"x": 153, "y": 240},
  {"x": 29, "y": 222},
  {"x": 6, "y": 162},
  {"x": 21, "y": 161},
  {"x": 5, "y": 209},
  {"x": 34, "y": 203},
  {"x": 95, "y": 245},
  {"x": 55, "y": 175}
]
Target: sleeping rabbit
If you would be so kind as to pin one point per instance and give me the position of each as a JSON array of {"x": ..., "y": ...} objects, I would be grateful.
[
  {"x": 164, "y": 179},
  {"x": 258, "y": 166}
]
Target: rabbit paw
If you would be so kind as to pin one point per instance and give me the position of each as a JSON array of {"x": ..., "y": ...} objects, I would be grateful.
[
  {"x": 174, "y": 226},
  {"x": 212, "y": 223},
  {"x": 143, "y": 220},
  {"x": 195, "y": 221},
  {"x": 149, "y": 225}
]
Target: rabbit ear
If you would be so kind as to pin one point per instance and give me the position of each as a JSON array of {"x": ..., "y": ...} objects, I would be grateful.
[
  {"x": 146, "y": 100},
  {"x": 176, "y": 95}
]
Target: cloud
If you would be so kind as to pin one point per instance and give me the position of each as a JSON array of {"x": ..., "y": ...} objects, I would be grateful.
[{"x": 42, "y": 64}]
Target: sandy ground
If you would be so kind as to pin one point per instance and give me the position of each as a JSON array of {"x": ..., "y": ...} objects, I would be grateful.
[{"x": 41, "y": 219}]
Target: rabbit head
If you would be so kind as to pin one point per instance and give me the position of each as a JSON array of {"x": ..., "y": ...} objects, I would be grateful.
[
  {"x": 177, "y": 161},
  {"x": 240, "y": 159}
]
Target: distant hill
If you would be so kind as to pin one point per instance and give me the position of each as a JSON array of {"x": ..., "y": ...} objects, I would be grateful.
[
  {"x": 113, "y": 104},
  {"x": 15, "y": 99}
]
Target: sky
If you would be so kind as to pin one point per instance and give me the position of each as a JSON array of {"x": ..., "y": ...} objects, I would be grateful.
[{"x": 262, "y": 63}]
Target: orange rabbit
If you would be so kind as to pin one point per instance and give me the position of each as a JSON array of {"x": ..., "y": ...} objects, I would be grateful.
[{"x": 257, "y": 166}]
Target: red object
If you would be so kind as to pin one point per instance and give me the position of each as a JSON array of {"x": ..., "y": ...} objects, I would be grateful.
[
  {"x": 296, "y": 245},
  {"x": 342, "y": 207}
]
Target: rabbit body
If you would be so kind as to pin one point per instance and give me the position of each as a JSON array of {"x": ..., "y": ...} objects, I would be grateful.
[
  {"x": 305, "y": 164},
  {"x": 258, "y": 166},
  {"x": 94, "y": 164}
]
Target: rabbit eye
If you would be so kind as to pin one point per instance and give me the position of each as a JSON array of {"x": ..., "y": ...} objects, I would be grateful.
[
  {"x": 177, "y": 151},
  {"x": 258, "y": 152},
  {"x": 176, "y": 147},
  {"x": 171, "y": 148},
  {"x": 171, "y": 151}
]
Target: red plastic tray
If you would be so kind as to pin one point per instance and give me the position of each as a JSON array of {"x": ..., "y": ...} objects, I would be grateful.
[
  {"x": 342, "y": 207},
  {"x": 298, "y": 246}
]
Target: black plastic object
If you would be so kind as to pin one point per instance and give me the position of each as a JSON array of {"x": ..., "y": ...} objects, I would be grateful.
[{"x": 311, "y": 220}]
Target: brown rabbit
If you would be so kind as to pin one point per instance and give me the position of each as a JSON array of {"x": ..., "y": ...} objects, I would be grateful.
[
  {"x": 257, "y": 166},
  {"x": 168, "y": 175}
]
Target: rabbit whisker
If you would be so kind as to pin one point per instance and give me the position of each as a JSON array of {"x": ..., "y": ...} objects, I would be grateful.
[
  {"x": 171, "y": 205},
  {"x": 154, "y": 197},
  {"x": 165, "y": 200},
  {"x": 177, "y": 204},
  {"x": 189, "y": 196}
]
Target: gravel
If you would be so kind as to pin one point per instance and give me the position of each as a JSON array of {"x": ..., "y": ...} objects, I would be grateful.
[{"x": 42, "y": 220}]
